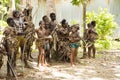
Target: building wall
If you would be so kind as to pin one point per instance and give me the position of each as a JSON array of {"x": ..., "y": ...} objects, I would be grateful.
[{"x": 114, "y": 8}]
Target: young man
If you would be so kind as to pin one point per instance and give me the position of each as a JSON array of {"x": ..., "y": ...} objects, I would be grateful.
[
  {"x": 53, "y": 25},
  {"x": 46, "y": 21},
  {"x": 63, "y": 41},
  {"x": 30, "y": 31},
  {"x": 20, "y": 28},
  {"x": 40, "y": 42},
  {"x": 10, "y": 43},
  {"x": 47, "y": 46},
  {"x": 91, "y": 37}
]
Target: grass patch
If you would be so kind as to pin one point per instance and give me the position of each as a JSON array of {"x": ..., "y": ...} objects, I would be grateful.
[{"x": 115, "y": 45}]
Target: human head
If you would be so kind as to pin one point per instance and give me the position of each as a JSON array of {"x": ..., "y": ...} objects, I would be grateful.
[
  {"x": 41, "y": 24},
  {"x": 29, "y": 7},
  {"x": 10, "y": 22},
  {"x": 64, "y": 23},
  {"x": 89, "y": 25},
  {"x": 52, "y": 16},
  {"x": 75, "y": 27},
  {"x": 93, "y": 23},
  {"x": 16, "y": 14},
  {"x": 25, "y": 12},
  {"x": 45, "y": 18}
]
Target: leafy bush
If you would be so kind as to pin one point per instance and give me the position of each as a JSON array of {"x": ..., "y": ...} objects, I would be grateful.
[
  {"x": 4, "y": 7},
  {"x": 74, "y": 22},
  {"x": 103, "y": 44},
  {"x": 4, "y": 24},
  {"x": 105, "y": 26}
]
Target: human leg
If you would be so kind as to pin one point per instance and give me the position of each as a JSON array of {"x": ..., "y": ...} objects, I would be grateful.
[
  {"x": 94, "y": 51},
  {"x": 1, "y": 61},
  {"x": 72, "y": 56},
  {"x": 89, "y": 52},
  {"x": 75, "y": 56},
  {"x": 43, "y": 56},
  {"x": 39, "y": 58}
]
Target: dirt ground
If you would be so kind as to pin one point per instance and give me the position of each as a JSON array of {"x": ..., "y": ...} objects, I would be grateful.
[{"x": 106, "y": 66}]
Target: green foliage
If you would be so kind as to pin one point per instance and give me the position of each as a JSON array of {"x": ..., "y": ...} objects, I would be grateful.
[
  {"x": 115, "y": 45},
  {"x": 76, "y": 2},
  {"x": 103, "y": 44},
  {"x": 3, "y": 23},
  {"x": 4, "y": 7},
  {"x": 105, "y": 22},
  {"x": 105, "y": 26},
  {"x": 16, "y": 4},
  {"x": 3, "y": 12},
  {"x": 74, "y": 22},
  {"x": 5, "y": 2}
]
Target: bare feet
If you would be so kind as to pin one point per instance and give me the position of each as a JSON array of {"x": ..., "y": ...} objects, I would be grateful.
[
  {"x": 46, "y": 64},
  {"x": 38, "y": 65},
  {"x": 73, "y": 65},
  {"x": 42, "y": 68}
]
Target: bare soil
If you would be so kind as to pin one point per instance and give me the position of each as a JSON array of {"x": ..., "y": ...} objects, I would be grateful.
[{"x": 106, "y": 66}]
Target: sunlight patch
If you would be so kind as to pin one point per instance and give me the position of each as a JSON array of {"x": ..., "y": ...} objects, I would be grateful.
[
  {"x": 34, "y": 64},
  {"x": 118, "y": 75},
  {"x": 96, "y": 78},
  {"x": 91, "y": 71},
  {"x": 116, "y": 69},
  {"x": 58, "y": 74}
]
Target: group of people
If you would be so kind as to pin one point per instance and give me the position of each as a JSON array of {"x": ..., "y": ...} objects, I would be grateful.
[
  {"x": 54, "y": 41},
  {"x": 18, "y": 38},
  {"x": 57, "y": 41}
]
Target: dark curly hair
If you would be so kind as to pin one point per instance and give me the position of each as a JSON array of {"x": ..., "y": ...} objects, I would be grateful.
[
  {"x": 10, "y": 22},
  {"x": 93, "y": 23},
  {"x": 43, "y": 18},
  {"x": 51, "y": 14},
  {"x": 63, "y": 21},
  {"x": 15, "y": 12}
]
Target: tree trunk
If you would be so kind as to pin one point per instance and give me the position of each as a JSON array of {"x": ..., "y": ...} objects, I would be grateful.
[
  {"x": 84, "y": 26},
  {"x": 50, "y": 5},
  {"x": 12, "y": 8},
  {"x": 13, "y": 5}
]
